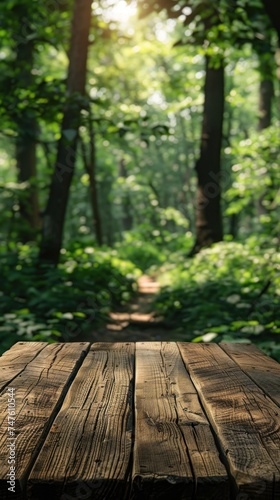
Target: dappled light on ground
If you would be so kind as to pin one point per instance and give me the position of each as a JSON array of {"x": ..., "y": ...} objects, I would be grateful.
[{"x": 136, "y": 320}]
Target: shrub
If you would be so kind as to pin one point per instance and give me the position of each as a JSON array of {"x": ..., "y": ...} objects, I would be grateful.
[
  {"x": 229, "y": 292},
  {"x": 50, "y": 304}
]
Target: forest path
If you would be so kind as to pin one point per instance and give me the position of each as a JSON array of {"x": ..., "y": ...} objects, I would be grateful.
[{"x": 136, "y": 321}]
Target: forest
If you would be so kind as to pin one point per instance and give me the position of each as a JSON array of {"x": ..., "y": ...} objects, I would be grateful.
[{"x": 140, "y": 138}]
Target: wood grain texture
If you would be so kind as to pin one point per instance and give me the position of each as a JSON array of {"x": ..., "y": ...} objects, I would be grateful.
[
  {"x": 262, "y": 369},
  {"x": 44, "y": 373},
  {"x": 175, "y": 454},
  {"x": 75, "y": 423},
  {"x": 246, "y": 422},
  {"x": 15, "y": 360},
  {"x": 88, "y": 450}
]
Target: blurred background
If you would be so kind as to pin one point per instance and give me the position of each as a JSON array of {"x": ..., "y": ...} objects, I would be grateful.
[{"x": 140, "y": 138}]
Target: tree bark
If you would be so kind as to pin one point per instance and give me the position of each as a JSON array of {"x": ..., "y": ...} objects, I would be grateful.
[
  {"x": 53, "y": 221},
  {"x": 233, "y": 225},
  {"x": 266, "y": 89},
  {"x": 265, "y": 103},
  {"x": 90, "y": 168},
  {"x": 272, "y": 9},
  {"x": 127, "y": 219},
  {"x": 26, "y": 151},
  {"x": 266, "y": 94},
  {"x": 209, "y": 228}
]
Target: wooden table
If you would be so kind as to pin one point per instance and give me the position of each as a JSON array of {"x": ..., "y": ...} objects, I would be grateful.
[{"x": 145, "y": 420}]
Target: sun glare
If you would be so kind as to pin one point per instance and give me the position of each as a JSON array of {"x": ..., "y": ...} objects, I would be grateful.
[{"x": 121, "y": 12}]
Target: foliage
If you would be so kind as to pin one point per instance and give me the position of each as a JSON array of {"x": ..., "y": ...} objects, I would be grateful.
[
  {"x": 150, "y": 255},
  {"x": 256, "y": 180},
  {"x": 145, "y": 99},
  {"x": 64, "y": 303},
  {"x": 230, "y": 292}
]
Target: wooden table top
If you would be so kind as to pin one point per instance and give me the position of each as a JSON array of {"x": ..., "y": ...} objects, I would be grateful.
[{"x": 144, "y": 420}]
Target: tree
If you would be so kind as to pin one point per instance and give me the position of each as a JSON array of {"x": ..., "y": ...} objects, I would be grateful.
[
  {"x": 272, "y": 9},
  {"x": 26, "y": 142},
  {"x": 266, "y": 90},
  {"x": 209, "y": 228},
  {"x": 208, "y": 220},
  {"x": 30, "y": 99},
  {"x": 264, "y": 46},
  {"x": 89, "y": 160},
  {"x": 217, "y": 26},
  {"x": 53, "y": 220},
  {"x": 19, "y": 42},
  {"x": 145, "y": 111}
]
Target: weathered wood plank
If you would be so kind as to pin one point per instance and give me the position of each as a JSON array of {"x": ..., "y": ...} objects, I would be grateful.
[
  {"x": 43, "y": 377},
  {"x": 262, "y": 369},
  {"x": 14, "y": 361},
  {"x": 175, "y": 453},
  {"x": 246, "y": 422},
  {"x": 87, "y": 452}
]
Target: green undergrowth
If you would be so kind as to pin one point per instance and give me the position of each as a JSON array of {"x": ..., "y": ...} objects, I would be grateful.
[
  {"x": 63, "y": 303},
  {"x": 148, "y": 254},
  {"x": 228, "y": 293}
]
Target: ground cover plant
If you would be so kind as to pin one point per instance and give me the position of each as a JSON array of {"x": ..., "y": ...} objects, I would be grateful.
[
  {"x": 64, "y": 303},
  {"x": 227, "y": 293}
]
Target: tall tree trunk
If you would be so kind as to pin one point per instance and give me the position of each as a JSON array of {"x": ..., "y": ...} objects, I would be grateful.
[
  {"x": 53, "y": 221},
  {"x": 209, "y": 228},
  {"x": 233, "y": 225},
  {"x": 265, "y": 103},
  {"x": 186, "y": 195},
  {"x": 272, "y": 9},
  {"x": 127, "y": 219},
  {"x": 266, "y": 94},
  {"x": 90, "y": 168},
  {"x": 26, "y": 151},
  {"x": 266, "y": 89}
]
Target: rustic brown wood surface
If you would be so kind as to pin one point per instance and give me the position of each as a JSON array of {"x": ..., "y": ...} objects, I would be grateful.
[
  {"x": 264, "y": 371},
  {"x": 175, "y": 452},
  {"x": 89, "y": 445},
  {"x": 40, "y": 382},
  {"x": 14, "y": 361},
  {"x": 144, "y": 420},
  {"x": 245, "y": 420}
]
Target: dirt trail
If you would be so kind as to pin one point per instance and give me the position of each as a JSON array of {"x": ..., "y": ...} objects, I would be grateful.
[{"x": 136, "y": 321}]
